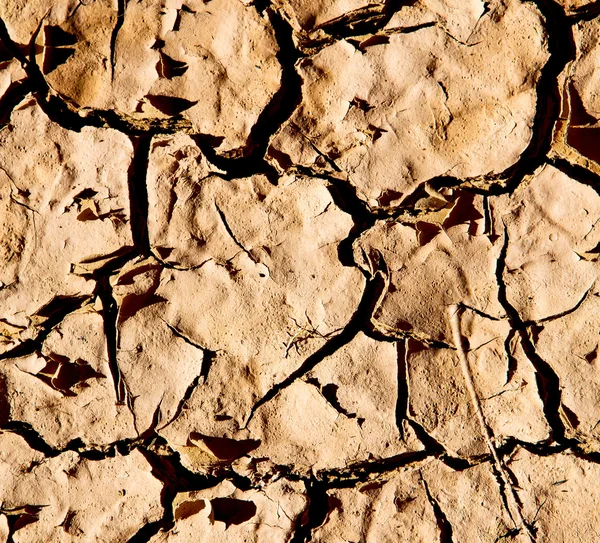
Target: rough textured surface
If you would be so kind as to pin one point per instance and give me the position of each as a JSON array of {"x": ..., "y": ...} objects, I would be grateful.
[{"x": 299, "y": 271}]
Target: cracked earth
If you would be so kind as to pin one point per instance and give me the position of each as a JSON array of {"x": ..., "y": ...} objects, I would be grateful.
[{"x": 299, "y": 271}]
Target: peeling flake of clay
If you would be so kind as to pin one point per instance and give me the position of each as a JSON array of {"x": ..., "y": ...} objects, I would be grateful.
[
  {"x": 253, "y": 516},
  {"x": 65, "y": 392}
]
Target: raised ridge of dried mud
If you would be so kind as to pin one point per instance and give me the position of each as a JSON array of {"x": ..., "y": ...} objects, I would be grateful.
[{"x": 299, "y": 271}]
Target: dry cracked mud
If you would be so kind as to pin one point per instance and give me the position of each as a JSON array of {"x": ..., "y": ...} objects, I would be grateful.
[{"x": 299, "y": 271}]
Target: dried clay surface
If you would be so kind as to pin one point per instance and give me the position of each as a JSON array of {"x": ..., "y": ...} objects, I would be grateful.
[{"x": 299, "y": 271}]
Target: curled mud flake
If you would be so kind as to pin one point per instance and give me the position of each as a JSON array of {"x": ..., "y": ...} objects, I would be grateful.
[
  {"x": 268, "y": 514},
  {"x": 64, "y": 389}
]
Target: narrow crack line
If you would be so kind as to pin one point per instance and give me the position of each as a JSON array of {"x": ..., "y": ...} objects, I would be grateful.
[
  {"x": 232, "y": 235},
  {"x": 121, "y": 5},
  {"x": 209, "y": 354},
  {"x": 403, "y": 386},
  {"x": 67, "y": 305},
  {"x": 138, "y": 193},
  {"x": 512, "y": 362},
  {"x": 207, "y": 357},
  {"x": 182, "y": 403},
  {"x": 110, "y": 314},
  {"x": 250, "y": 159},
  {"x": 454, "y": 316},
  {"x": 443, "y": 523},
  {"x": 413, "y": 28},
  {"x": 363, "y": 313},
  {"x": 565, "y": 313},
  {"x": 547, "y": 380},
  {"x": 482, "y": 314}
]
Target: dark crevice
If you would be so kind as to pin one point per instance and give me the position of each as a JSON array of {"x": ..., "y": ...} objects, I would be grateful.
[
  {"x": 443, "y": 524},
  {"x": 251, "y": 159},
  {"x": 110, "y": 313},
  {"x": 372, "y": 292},
  {"x": 510, "y": 445},
  {"x": 512, "y": 362},
  {"x": 31, "y": 437},
  {"x": 54, "y": 313},
  {"x": 329, "y": 393},
  {"x": 546, "y": 378},
  {"x": 346, "y": 198},
  {"x": 316, "y": 513},
  {"x": 138, "y": 193},
  {"x": 90, "y": 452},
  {"x": 121, "y": 5},
  {"x": 402, "y": 383}
]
